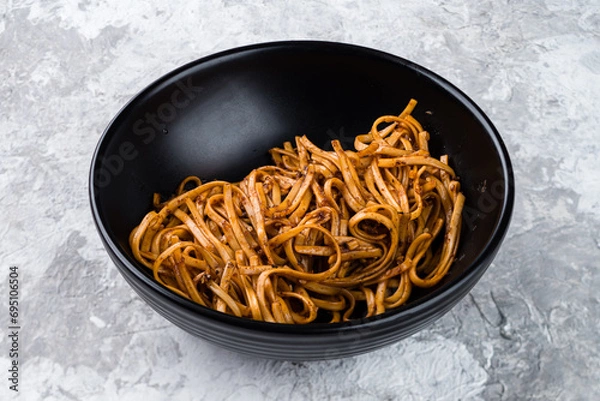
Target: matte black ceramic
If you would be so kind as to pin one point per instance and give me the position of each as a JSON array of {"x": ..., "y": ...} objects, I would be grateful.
[{"x": 217, "y": 117}]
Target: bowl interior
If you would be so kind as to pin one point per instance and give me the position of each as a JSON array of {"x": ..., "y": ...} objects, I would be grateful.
[{"x": 217, "y": 118}]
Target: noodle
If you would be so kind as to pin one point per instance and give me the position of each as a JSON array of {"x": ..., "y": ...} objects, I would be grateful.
[{"x": 321, "y": 235}]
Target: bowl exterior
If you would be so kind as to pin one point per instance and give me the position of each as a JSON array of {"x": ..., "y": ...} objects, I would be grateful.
[
  {"x": 340, "y": 342},
  {"x": 278, "y": 90}
]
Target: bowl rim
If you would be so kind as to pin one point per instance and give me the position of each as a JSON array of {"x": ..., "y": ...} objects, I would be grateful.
[{"x": 473, "y": 271}]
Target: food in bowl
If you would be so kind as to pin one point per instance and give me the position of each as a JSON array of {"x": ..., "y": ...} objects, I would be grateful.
[
  {"x": 270, "y": 93},
  {"x": 325, "y": 236}
]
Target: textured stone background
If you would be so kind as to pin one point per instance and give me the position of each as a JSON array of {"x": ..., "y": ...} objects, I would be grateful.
[{"x": 529, "y": 330}]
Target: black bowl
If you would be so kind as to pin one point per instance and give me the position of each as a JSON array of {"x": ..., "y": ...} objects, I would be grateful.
[{"x": 217, "y": 117}]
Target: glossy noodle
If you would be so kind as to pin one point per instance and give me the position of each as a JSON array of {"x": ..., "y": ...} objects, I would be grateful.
[{"x": 318, "y": 236}]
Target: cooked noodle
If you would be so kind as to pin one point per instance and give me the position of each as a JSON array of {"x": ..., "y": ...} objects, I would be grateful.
[{"x": 330, "y": 234}]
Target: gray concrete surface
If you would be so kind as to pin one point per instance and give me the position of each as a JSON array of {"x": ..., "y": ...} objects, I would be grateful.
[{"x": 529, "y": 329}]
